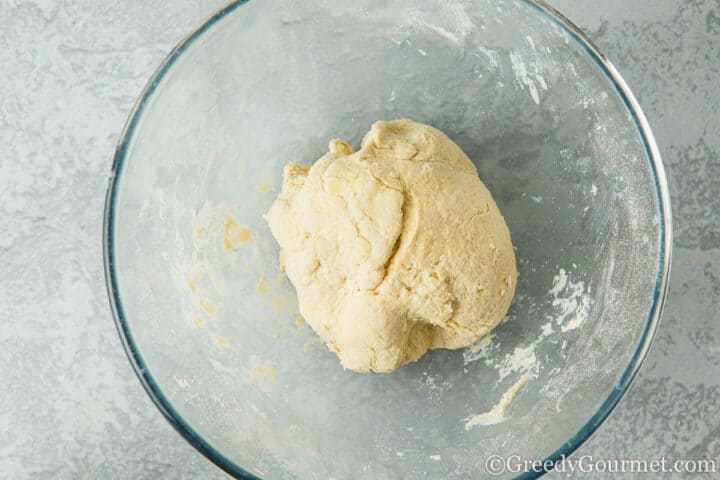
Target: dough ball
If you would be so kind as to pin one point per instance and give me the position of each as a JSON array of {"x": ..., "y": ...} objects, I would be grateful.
[{"x": 394, "y": 249}]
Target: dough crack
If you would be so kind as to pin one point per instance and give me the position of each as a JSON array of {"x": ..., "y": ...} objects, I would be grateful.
[{"x": 385, "y": 184}]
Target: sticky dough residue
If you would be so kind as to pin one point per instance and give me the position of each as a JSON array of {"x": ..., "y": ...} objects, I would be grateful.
[
  {"x": 497, "y": 414},
  {"x": 219, "y": 240},
  {"x": 213, "y": 227}
]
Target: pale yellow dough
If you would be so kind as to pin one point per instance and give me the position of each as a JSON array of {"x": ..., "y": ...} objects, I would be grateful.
[{"x": 394, "y": 249}]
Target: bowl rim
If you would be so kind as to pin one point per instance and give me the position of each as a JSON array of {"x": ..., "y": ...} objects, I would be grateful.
[{"x": 568, "y": 447}]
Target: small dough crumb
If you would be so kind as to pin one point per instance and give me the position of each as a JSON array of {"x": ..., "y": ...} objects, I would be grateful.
[
  {"x": 208, "y": 307},
  {"x": 260, "y": 370},
  {"x": 261, "y": 287},
  {"x": 394, "y": 249},
  {"x": 234, "y": 234},
  {"x": 192, "y": 286}
]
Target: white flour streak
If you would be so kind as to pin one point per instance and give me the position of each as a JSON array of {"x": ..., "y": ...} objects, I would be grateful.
[
  {"x": 541, "y": 81},
  {"x": 547, "y": 330},
  {"x": 559, "y": 282},
  {"x": 571, "y": 67},
  {"x": 440, "y": 31},
  {"x": 480, "y": 349},
  {"x": 491, "y": 55},
  {"x": 521, "y": 360},
  {"x": 521, "y": 73},
  {"x": 530, "y": 41},
  {"x": 463, "y": 22},
  {"x": 570, "y": 300},
  {"x": 454, "y": 23},
  {"x": 527, "y": 73}
]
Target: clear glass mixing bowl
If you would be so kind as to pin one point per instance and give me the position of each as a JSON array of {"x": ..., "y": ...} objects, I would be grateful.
[{"x": 210, "y": 323}]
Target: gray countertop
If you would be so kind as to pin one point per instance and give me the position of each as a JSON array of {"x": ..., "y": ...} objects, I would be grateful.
[{"x": 70, "y": 405}]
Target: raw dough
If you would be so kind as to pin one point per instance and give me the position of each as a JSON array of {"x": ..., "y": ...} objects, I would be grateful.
[{"x": 394, "y": 249}]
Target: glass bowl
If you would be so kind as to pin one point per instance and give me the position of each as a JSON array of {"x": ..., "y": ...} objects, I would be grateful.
[{"x": 210, "y": 323}]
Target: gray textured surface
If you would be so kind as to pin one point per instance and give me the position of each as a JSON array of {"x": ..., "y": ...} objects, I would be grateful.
[{"x": 70, "y": 406}]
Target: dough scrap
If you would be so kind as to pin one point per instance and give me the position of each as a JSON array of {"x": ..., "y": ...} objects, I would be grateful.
[{"x": 394, "y": 249}]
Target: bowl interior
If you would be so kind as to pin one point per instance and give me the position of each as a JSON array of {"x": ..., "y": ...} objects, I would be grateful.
[{"x": 211, "y": 320}]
